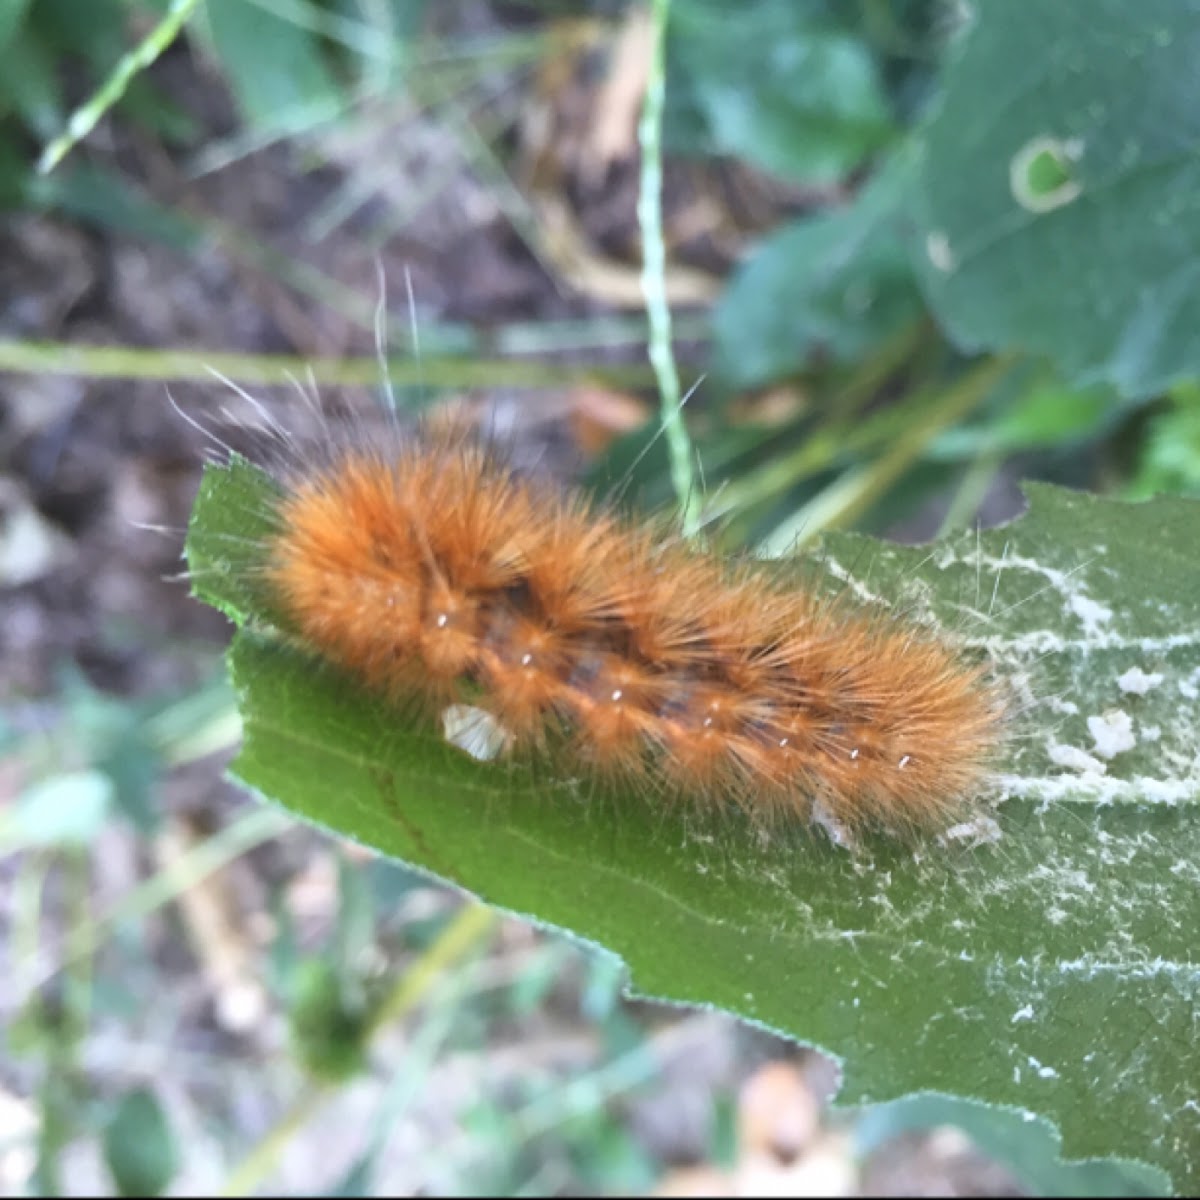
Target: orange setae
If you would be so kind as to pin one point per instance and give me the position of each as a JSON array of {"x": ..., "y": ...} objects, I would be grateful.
[{"x": 431, "y": 572}]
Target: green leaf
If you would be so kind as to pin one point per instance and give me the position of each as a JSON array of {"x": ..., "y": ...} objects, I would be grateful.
[
  {"x": 14, "y": 177},
  {"x": 94, "y": 30},
  {"x": 275, "y": 66},
  {"x": 777, "y": 87},
  {"x": 101, "y": 197},
  {"x": 840, "y": 283},
  {"x": 1061, "y": 188},
  {"x": 1048, "y": 963},
  {"x": 116, "y": 739},
  {"x": 139, "y": 1147},
  {"x": 28, "y": 82},
  {"x": 328, "y": 1027}
]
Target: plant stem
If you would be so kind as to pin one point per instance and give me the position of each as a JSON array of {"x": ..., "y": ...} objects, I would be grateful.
[
  {"x": 83, "y": 120},
  {"x": 654, "y": 285},
  {"x": 125, "y": 362}
]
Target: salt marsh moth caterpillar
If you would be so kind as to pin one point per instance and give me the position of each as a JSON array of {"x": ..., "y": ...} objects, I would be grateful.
[{"x": 429, "y": 570}]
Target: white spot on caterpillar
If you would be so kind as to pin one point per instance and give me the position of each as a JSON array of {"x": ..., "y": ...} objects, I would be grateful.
[
  {"x": 443, "y": 621},
  {"x": 904, "y": 762},
  {"x": 617, "y": 694},
  {"x": 1112, "y": 733},
  {"x": 526, "y": 659},
  {"x": 1138, "y": 682}
]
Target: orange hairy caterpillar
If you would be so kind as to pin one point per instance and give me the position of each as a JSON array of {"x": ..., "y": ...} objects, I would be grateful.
[{"x": 432, "y": 573}]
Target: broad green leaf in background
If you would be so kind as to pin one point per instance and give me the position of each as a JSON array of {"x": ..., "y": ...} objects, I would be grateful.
[
  {"x": 29, "y": 85},
  {"x": 1046, "y": 962},
  {"x": 12, "y": 13},
  {"x": 781, "y": 87},
  {"x": 1060, "y": 204},
  {"x": 94, "y": 31},
  {"x": 275, "y": 66},
  {"x": 96, "y": 196},
  {"x": 840, "y": 283}
]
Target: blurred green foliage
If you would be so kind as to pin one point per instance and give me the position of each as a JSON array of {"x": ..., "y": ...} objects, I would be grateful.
[
  {"x": 925, "y": 246},
  {"x": 51, "y": 51},
  {"x": 1170, "y": 460},
  {"x": 1027, "y": 1145},
  {"x": 793, "y": 88},
  {"x": 139, "y": 1147}
]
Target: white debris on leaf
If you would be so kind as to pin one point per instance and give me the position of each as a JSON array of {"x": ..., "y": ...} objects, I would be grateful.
[
  {"x": 1075, "y": 759},
  {"x": 1093, "y": 615},
  {"x": 1138, "y": 682},
  {"x": 978, "y": 832},
  {"x": 1112, "y": 733}
]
